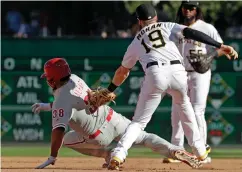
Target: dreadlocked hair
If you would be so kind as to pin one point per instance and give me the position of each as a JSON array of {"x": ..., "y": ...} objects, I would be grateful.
[{"x": 180, "y": 18}]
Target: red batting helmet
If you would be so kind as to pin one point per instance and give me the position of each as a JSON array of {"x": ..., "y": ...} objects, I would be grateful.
[{"x": 54, "y": 70}]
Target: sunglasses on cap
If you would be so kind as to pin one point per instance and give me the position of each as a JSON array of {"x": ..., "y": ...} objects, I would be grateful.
[{"x": 189, "y": 7}]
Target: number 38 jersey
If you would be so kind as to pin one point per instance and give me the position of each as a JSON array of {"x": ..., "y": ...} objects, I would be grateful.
[
  {"x": 154, "y": 42},
  {"x": 71, "y": 108}
]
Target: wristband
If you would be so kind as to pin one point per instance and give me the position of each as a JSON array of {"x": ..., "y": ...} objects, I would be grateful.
[{"x": 112, "y": 87}]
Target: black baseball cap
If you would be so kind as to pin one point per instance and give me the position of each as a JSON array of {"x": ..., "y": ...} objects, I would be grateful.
[
  {"x": 190, "y": 3},
  {"x": 145, "y": 12}
]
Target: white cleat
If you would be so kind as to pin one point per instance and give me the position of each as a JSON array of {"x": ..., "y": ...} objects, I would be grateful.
[
  {"x": 115, "y": 163},
  {"x": 208, "y": 160},
  {"x": 187, "y": 158}
]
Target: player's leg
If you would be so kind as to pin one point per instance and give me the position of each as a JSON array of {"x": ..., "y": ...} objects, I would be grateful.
[
  {"x": 163, "y": 147},
  {"x": 75, "y": 141},
  {"x": 149, "y": 99},
  {"x": 135, "y": 127},
  {"x": 198, "y": 96},
  {"x": 149, "y": 140},
  {"x": 177, "y": 137},
  {"x": 200, "y": 84},
  {"x": 154, "y": 142},
  {"x": 179, "y": 94}
]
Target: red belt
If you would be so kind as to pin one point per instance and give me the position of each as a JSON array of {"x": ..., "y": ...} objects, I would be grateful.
[{"x": 109, "y": 117}]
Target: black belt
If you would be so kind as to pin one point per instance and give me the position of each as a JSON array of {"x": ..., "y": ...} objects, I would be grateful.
[
  {"x": 190, "y": 70},
  {"x": 156, "y": 63}
]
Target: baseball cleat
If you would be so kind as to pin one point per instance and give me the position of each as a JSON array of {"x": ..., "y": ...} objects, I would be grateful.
[
  {"x": 208, "y": 160},
  {"x": 114, "y": 163},
  {"x": 107, "y": 159},
  {"x": 105, "y": 165},
  {"x": 170, "y": 160},
  {"x": 204, "y": 155},
  {"x": 187, "y": 158},
  {"x": 201, "y": 158},
  {"x": 208, "y": 148}
]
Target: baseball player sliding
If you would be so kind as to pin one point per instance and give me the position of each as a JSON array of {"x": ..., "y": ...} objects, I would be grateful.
[
  {"x": 155, "y": 49},
  {"x": 93, "y": 128},
  {"x": 190, "y": 15}
]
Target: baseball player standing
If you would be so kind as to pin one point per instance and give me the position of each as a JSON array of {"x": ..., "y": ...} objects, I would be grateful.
[
  {"x": 190, "y": 14},
  {"x": 161, "y": 61},
  {"x": 93, "y": 129}
]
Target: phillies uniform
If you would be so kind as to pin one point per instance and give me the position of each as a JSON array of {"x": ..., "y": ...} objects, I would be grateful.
[
  {"x": 94, "y": 129},
  {"x": 198, "y": 84},
  {"x": 160, "y": 58}
]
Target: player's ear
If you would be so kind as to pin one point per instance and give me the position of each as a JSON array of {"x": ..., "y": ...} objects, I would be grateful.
[
  {"x": 139, "y": 21},
  {"x": 156, "y": 18}
]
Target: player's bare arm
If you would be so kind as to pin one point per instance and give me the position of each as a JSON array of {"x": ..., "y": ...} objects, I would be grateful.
[
  {"x": 120, "y": 76},
  {"x": 56, "y": 137},
  {"x": 56, "y": 140}
]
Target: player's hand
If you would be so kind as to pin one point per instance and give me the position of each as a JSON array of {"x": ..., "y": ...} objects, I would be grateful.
[
  {"x": 37, "y": 107},
  {"x": 51, "y": 160},
  {"x": 228, "y": 51}
]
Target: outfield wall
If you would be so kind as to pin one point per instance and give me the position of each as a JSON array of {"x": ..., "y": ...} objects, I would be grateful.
[{"x": 95, "y": 61}]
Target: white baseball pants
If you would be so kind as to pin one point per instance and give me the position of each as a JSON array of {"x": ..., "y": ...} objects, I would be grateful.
[
  {"x": 113, "y": 130},
  {"x": 198, "y": 88},
  {"x": 158, "y": 81}
]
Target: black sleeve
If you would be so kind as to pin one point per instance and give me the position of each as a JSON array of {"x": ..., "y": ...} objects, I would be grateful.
[{"x": 201, "y": 37}]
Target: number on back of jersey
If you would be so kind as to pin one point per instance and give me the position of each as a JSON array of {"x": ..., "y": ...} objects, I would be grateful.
[{"x": 156, "y": 39}]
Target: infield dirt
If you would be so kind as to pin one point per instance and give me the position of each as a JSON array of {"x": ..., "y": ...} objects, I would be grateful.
[{"x": 89, "y": 164}]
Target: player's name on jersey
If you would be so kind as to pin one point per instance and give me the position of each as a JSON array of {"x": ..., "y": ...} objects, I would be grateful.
[
  {"x": 189, "y": 41},
  {"x": 146, "y": 29}
]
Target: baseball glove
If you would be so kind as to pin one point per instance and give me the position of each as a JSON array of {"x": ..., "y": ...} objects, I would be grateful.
[
  {"x": 100, "y": 96},
  {"x": 201, "y": 62}
]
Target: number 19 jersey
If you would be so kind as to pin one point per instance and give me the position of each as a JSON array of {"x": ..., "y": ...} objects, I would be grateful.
[{"x": 155, "y": 42}]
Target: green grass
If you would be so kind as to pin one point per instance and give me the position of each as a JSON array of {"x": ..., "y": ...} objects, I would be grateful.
[{"x": 40, "y": 151}]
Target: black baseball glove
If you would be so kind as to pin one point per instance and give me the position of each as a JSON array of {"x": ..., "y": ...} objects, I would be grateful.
[{"x": 202, "y": 62}]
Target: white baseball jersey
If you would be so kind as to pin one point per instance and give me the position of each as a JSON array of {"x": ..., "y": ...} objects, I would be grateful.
[
  {"x": 71, "y": 107},
  {"x": 187, "y": 46},
  {"x": 154, "y": 43}
]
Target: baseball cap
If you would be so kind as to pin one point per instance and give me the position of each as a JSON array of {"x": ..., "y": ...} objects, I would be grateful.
[
  {"x": 145, "y": 12},
  {"x": 191, "y": 3}
]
